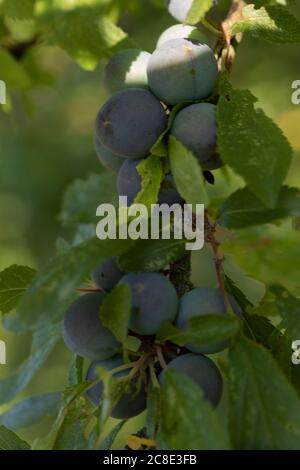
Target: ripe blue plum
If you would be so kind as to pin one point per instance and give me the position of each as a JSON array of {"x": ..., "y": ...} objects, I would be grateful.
[
  {"x": 107, "y": 275},
  {"x": 181, "y": 31},
  {"x": 154, "y": 301},
  {"x": 202, "y": 371},
  {"x": 129, "y": 180},
  {"x": 131, "y": 403},
  {"x": 83, "y": 332},
  {"x": 196, "y": 128},
  {"x": 182, "y": 70},
  {"x": 130, "y": 184},
  {"x": 130, "y": 122},
  {"x": 127, "y": 69},
  {"x": 202, "y": 301},
  {"x": 108, "y": 159},
  {"x": 179, "y": 9}
]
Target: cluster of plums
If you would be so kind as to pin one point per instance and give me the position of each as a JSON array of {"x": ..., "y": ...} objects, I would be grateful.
[
  {"x": 154, "y": 302},
  {"x": 182, "y": 70},
  {"x": 145, "y": 87}
]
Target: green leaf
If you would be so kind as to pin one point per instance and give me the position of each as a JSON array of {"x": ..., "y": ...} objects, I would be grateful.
[
  {"x": 151, "y": 255},
  {"x": 10, "y": 441},
  {"x": 71, "y": 434},
  {"x": 84, "y": 33},
  {"x": 261, "y": 330},
  {"x": 108, "y": 441},
  {"x": 132, "y": 343},
  {"x": 289, "y": 309},
  {"x": 198, "y": 10},
  {"x": 12, "y": 72},
  {"x": 203, "y": 330},
  {"x": 54, "y": 288},
  {"x": 160, "y": 148},
  {"x": 31, "y": 410},
  {"x": 236, "y": 293},
  {"x": 84, "y": 196},
  {"x": 43, "y": 344},
  {"x": 70, "y": 421},
  {"x": 17, "y": 9},
  {"x": 113, "y": 36},
  {"x": 187, "y": 421},
  {"x": 273, "y": 23},
  {"x": 116, "y": 310},
  {"x": 243, "y": 208},
  {"x": 187, "y": 173},
  {"x": 76, "y": 371},
  {"x": 265, "y": 409},
  {"x": 151, "y": 171},
  {"x": 153, "y": 410},
  {"x": 13, "y": 283},
  {"x": 251, "y": 143}
]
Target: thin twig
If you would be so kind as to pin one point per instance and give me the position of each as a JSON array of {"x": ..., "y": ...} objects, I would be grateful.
[{"x": 210, "y": 238}]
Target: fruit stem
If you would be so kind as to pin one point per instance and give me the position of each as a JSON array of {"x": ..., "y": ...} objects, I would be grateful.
[
  {"x": 155, "y": 382},
  {"x": 160, "y": 357},
  {"x": 130, "y": 365},
  {"x": 210, "y": 27}
]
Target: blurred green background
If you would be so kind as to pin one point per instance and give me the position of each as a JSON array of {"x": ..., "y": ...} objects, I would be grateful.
[{"x": 46, "y": 141}]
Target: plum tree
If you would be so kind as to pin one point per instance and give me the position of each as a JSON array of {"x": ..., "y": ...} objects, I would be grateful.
[
  {"x": 154, "y": 301},
  {"x": 83, "y": 332},
  {"x": 202, "y": 301},
  {"x": 181, "y": 31},
  {"x": 179, "y": 9},
  {"x": 132, "y": 403},
  {"x": 107, "y": 158},
  {"x": 196, "y": 128},
  {"x": 127, "y": 69},
  {"x": 182, "y": 70},
  {"x": 130, "y": 122},
  {"x": 202, "y": 371},
  {"x": 107, "y": 274},
  {"x": 130, "y": 184}
]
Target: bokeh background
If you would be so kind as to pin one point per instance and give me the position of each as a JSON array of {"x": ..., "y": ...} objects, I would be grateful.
[{"x": 46, "y": 141}]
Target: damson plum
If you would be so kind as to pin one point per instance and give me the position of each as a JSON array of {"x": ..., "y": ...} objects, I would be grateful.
[
  {"x": 108, "y": 159},
  {"x": 181, "y": 31},
  {"x": 130, "y": 122},
  {"x": 130, "y": 184},
  {"x": 132, "y": 403},
  {"x": 154, "y": 301},
  {"x": 127, "y": 69},
  {"x": 196, "y": 128},
  {"x": 107, "y": 275},
  {"x": 129, "y": 180},
  {"x": 83, "y": 332},
  {"x": 202, "y": 301},
  {"x": 182, "y": 70},
  {"x": 202, "y": 371},
  {"x": 179, "y": 9}
]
